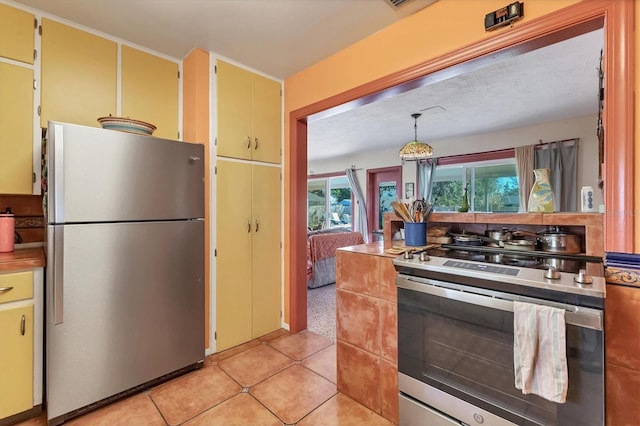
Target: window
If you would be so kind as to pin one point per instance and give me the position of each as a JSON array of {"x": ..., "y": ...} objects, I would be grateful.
[
  {"x": 493, "y": 186},
  {"x": 331, "y": 211}
]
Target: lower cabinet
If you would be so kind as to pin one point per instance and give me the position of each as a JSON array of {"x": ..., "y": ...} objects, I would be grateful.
[
  {"x": 16, "y": 359},
  {"x": 622, "y": 367},
  {"x": 21, "y": 343},
  {"x": 248, "y": 252}
]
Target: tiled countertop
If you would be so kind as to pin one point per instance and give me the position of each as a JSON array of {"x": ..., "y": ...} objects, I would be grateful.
[
  {"x": 376, "y": 249},
  {"x": 23, "y": 258}
]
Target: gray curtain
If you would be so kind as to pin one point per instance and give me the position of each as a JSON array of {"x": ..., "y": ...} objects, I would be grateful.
[
  {"x": 426, "y": 171},
  {"x": 524, "y": 170},
  {"x": 562, "y": 158},
  {"x": 360, "y": 221}
]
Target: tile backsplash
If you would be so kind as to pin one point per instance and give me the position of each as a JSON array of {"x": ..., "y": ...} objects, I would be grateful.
[{"x": 29, "y": 216}]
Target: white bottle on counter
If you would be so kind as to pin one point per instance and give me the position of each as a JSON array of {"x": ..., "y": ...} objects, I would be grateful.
[{"x": 587, "y": 201}]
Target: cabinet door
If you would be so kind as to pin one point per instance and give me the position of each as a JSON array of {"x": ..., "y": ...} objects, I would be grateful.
[
  {"x": 266, "y": 258},
  {"x": 16, "y": 34},
  {"x": 79, "y": 74},
  {"x": 16, "y": 129},
  {"x": 150, "y": 91},
  {"x": 16, "y": 359},
  {"x": 234, "y": 111},
  {"x": 267, "y": 120},
  {"x": 233, "y": 259}
]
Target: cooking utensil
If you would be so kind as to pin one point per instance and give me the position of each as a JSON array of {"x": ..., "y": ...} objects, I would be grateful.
[
  {"x": 467, "y": 239},
  {"x": 417, "y": 209},
  {"x": 401, "y": 211},
  {"x": 557, "y": 241},
  {"x": 472, "y": 239},
  {"x": 503, "y": 234}
]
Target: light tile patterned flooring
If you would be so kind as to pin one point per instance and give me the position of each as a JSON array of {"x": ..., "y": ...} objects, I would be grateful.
[{"x": 277, "y": 379}]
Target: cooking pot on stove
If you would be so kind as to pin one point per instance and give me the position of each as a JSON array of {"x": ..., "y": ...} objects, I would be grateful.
[
  {"x": 557, "y": 241},
  {"x": 477, "y": 240},
  {"x": 503, "y": 234}
]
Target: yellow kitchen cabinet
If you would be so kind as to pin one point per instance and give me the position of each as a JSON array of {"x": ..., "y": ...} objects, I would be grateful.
[
  {"x": 249, "y": 115},
  {"x": 16, "y": 343},
  {"x": 248, "y": 254},
  {"x": 150, "y": 91},
  {"x": 17, "y": 32},
  {"x": 16, "y": 129},
  {"x": 79, "y": 75}
]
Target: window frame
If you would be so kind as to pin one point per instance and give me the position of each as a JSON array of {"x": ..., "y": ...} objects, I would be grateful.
[
  {"x": 469, "y": 162},
  {"x": 326, "y": 177}
]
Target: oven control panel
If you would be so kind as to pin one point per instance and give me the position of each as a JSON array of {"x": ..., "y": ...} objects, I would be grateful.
[{"x": 482, "y": 267}]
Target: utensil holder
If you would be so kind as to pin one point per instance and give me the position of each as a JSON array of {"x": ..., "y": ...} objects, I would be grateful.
[{"x": 415, "y": 234}]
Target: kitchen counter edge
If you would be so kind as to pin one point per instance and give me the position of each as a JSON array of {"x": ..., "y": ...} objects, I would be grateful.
[{"x": 23, "y": 258}]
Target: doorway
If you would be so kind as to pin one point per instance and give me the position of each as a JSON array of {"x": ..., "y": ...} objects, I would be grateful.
[
  {"x": 383, "y": 187},
  {"x": 566, "y": 23}
]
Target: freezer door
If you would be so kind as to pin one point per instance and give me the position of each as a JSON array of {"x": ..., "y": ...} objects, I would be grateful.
[
  {"x": 124, "y": 305},
  {"x": 97, "y": 175}
]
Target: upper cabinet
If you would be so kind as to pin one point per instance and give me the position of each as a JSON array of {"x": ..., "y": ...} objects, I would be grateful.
[
  {"x": 79, "y": 75},
  {"x": 249, "y": 115},
  {"x": 16, "y": 129},
  {"x": 17, "y": 32},
  {"x": 150, "y": 91}
]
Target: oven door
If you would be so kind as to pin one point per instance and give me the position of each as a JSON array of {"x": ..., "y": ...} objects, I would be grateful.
[{"x": 457, "y": 341}]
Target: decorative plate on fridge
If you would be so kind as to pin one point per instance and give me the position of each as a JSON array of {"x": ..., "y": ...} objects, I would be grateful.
[{"x": 129, "y": 125}]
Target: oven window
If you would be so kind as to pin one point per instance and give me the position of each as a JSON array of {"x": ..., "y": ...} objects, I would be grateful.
[{"x": 466, "y": 350}]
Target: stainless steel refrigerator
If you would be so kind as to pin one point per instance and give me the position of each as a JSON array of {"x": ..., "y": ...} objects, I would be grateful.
[{"x": 125, "y": 263}]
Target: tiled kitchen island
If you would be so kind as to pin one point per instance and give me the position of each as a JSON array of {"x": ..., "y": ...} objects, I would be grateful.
[{"x": 366, "y": 327}]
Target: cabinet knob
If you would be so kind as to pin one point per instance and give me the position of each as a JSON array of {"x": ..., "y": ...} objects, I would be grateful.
[
  {"x": 257, "y": 225},
  {"x": 256, "y": 144},
  {"x": 23, "y": 322},
  {"x": 5, "y": 289},
  {"x": 248, "y": 142},
  {"x": 248, "y": 226}
]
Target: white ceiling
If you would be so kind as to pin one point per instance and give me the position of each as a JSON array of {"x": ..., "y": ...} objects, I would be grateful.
[
  {"x": 549, "y": 84},
  {"x": 277, "y": 37},
  {"x": 283, "y": 37}
]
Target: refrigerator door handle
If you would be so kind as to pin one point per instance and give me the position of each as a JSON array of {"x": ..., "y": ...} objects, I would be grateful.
[
  {"x": 57, "y": 202},
  {"x": 58, "y": 275}
]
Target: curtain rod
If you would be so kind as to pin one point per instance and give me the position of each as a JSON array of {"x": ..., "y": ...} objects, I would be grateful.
[{"x": 562, "y": 141}]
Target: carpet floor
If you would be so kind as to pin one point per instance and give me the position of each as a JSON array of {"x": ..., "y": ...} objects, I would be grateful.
[{"x": 321, "y": 311}]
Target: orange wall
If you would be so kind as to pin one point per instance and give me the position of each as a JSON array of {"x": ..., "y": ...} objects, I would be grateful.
[
  {"x": 636, "y": 196},
  {"x": 445, "y": 26},
  {"x": 195, "y": 125}
]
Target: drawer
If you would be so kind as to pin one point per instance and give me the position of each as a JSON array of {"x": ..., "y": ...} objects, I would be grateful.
[{"x": 16, "y": 286}]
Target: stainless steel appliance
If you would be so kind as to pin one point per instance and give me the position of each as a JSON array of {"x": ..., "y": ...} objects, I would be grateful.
[
  {"x": 125, "y": 264},
  {"x": 455, "y": 343}
]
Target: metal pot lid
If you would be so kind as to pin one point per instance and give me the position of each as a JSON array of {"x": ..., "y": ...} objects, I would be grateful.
[{"x": 556, "y": 231}]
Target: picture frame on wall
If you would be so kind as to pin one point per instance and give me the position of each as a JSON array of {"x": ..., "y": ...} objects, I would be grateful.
[{"x": 409, "y": 190}]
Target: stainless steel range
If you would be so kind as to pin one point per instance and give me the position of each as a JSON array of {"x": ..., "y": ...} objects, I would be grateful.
[{"x": 455, "y": 342}]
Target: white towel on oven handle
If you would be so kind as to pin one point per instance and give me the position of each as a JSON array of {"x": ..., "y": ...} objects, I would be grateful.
[{"x": 539, "y": 351}]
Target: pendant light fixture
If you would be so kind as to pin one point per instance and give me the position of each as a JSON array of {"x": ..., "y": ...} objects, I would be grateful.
[{"x": 415, "y": 149}]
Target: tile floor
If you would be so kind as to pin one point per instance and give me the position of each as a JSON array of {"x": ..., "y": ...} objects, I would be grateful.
[{"x": 278, "y": 379}]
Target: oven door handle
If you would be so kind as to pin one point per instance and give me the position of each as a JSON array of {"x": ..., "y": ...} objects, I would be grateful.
[{"x": 574, "y": 315}]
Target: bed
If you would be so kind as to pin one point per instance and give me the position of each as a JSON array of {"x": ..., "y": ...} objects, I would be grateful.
[{"x": 321, "y": 255}]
